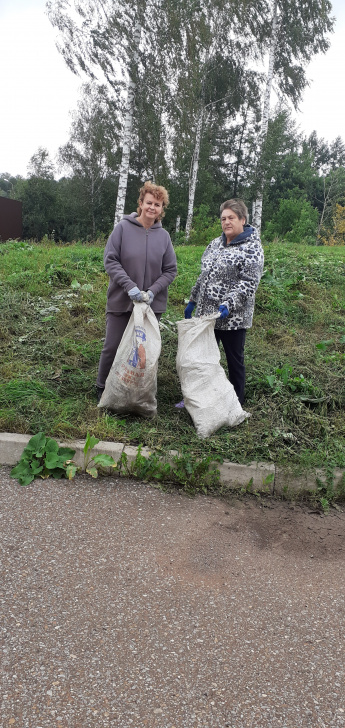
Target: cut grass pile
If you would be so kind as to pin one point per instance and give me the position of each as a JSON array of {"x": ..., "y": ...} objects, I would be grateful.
[{"x": 52, "y": 325}]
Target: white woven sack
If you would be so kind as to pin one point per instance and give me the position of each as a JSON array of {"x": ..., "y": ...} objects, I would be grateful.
[
  {"x": 208, "y": 395},
  {"x": 131, "y": 384}
]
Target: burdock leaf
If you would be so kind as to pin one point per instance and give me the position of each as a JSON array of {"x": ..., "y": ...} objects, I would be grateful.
[
  {"x": 66, "y": 453},
  {"x": 51, "y": 446},
  {"x": 71, "y": 471},
  {"x": 37, "y": 444},
  {"x": 106, "y": 461}
]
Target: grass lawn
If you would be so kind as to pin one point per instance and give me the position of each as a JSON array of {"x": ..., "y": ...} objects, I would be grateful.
[{"x": 52, "y": 324}]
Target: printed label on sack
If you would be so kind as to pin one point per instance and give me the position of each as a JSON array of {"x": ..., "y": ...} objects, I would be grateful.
[
  {"x": 129, "y": 376},
  {"x": 137, "y": 357},
  {"x": 132, "y": 371}
]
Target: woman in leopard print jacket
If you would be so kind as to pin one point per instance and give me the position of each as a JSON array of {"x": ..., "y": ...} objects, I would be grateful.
[{"x": 231, "y": 268}]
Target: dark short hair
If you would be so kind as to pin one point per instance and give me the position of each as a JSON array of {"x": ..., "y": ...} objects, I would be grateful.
[{"x": 237, "y": 206}]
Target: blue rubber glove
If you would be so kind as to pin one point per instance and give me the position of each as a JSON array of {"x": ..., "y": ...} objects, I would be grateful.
[
  {"x": 189, "y": 309},
  {"x": 224, "y": 311},
  {"x": 151, "y": 296},
  {"x": 135, "y": 294}
]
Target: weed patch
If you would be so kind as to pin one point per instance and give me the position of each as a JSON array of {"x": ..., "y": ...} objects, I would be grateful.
[
  {"x": 327, "y": 493},
  {"x": 193, "y": 475}
]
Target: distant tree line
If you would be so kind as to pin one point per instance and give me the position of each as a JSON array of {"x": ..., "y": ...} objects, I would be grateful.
[{"x": 177, "y": 94}]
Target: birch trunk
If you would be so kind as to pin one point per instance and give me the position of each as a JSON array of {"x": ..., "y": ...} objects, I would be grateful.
[
  {"x": 327, "y": 197},
  {"x": 266, "y": 109},
  {"x": 253, "y": 212},
  {"x": 193, "y": 177},
  {"x": 93, "y": 206},
  {"x": 127, "y": 129},
  {"x": 237, "y": 166}
]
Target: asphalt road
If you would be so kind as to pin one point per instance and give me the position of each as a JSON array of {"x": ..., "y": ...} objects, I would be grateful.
[{"x": 126, "y": 607}]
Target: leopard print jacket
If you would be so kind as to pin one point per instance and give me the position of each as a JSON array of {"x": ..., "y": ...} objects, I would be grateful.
[{"x": 230, "y": 275}]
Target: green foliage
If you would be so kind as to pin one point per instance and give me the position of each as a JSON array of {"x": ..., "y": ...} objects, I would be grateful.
[
  {"x": 39, "y": 198},
  {"x": 295, "y": 221},
  {"x": 92, "y": 463},
  {"x": 336, "y": 235},
  {"x": 196, "y": 474},
  {"x": 91, "y": 156},
  {"x": 193, "y": 474},
  {"x": 42, "y": 458},
  {"x": 284, "y": 164},
  {"x": 205, "y": 228},
  {"x": 328, "y": 493},
  {"x": 323, "y": 345},
  {"x": 72, "y": 208},
  {"x": 285, "y": 377}
]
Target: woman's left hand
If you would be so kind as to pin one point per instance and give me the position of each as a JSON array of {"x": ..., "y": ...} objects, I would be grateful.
[
  {"x": 224, "y": 311},
  {"x": 189, "y": 310}
]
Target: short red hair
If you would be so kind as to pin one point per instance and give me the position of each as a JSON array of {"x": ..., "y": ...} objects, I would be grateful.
[{"x": 160, "y": 193}]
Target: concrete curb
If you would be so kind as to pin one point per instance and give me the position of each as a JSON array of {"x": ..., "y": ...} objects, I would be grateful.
[
  {"x": 287, "y": 486},
  {"x": 256, "y": 477}
]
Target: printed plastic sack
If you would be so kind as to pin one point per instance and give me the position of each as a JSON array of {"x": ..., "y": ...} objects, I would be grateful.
[
  {"x": 208, "y": 395},
  {"x": 131, "y": 384}
]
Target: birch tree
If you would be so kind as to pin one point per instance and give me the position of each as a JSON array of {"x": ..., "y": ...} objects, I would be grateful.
[
  {"x": 257, "y": 208},
  {"x": 193, "y": 175},
  {"x": 108, "y": 40},
  {"x": 216, "y": 48},
  {"x": 329, "y": 163},
  {"x": 301, "y": 27},
  {"x": 151, "y": 125},
  {"x": 127, "y": 126}
]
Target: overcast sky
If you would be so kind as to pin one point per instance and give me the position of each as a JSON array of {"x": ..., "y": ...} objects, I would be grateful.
[{"x": 38, "y": 91}]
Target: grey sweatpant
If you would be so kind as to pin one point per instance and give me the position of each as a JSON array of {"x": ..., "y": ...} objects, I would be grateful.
[{"x": 115, "y": 328}]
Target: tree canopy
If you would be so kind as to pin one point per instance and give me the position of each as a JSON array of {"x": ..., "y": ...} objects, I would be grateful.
[{"x": 177, "y": 93}]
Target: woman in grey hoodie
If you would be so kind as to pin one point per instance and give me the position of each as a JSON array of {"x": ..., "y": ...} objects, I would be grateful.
[{"x": 139, "y": 257}]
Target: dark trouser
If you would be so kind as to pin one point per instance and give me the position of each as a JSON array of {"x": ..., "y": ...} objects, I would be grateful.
[
  {"x": 233, "y": 343},
  {"x": 115, "y": 328}
]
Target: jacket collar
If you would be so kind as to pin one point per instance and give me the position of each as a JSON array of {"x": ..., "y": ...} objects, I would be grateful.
[
  {"x": 133, "y": 219},
  {"x": 247, "y": 232}
]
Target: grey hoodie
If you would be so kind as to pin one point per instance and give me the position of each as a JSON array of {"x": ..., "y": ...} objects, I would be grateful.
[{"x": 135, "y": 256}]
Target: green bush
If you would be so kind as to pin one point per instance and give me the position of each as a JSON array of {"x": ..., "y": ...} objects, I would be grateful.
[
  {"x": 205, "y": 228},
  {"x": 296, "y": 221}
]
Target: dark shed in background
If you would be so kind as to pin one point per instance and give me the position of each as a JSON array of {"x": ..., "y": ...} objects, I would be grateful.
[{"x": 11, "y": 225}]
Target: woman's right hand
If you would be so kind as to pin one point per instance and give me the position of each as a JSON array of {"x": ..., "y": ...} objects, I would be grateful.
[
  {"x": 189, "y": 310},
  {"x": 135, "y": 294}
]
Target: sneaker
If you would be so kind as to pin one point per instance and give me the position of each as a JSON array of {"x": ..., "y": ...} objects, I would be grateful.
[{"x": 180, "y": 405}]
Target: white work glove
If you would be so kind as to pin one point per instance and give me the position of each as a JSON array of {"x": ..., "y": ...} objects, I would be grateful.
[
  {"x": 135, "y": 294},
  {"x": 151, "y": 296}
]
